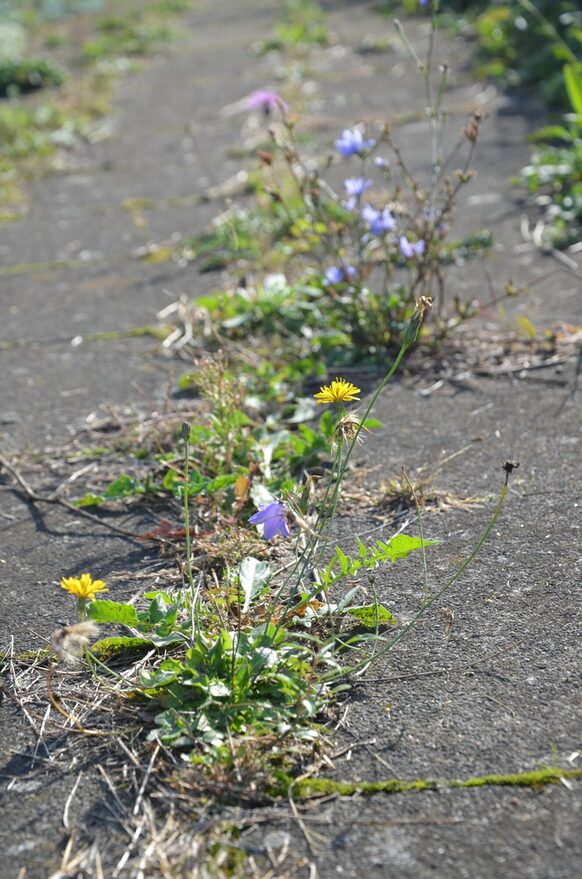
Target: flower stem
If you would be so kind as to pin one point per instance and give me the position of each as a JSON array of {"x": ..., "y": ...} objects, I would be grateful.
[
  {"x": 440, "y": 592},
  {"x": 186, "y": 498}
]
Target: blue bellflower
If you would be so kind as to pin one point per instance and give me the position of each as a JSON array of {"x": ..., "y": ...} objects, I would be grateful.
[
  {"x": 336, "y": 275},
  {"x": 355, "y": 188},
  {"x": 273, "y": 518},
  {"x": 409, "y": 250},
  {"x": 379, "y": 222},
  {"x": 352, "y": 143}
]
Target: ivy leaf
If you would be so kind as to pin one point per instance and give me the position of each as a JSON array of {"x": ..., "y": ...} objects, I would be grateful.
[
  {"x": 112, "y": 612},
  {"x": 370, "y": 614}
]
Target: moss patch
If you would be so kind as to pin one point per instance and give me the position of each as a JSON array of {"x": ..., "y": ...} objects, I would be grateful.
[{"x": 306, "y": 788}]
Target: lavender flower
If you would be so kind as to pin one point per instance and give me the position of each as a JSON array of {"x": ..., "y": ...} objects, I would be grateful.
[
  {"x": 352, "y": 143},
  {"x": 273, "y": 518},
  {"x": 336, "y": 275},
  {"x": 409, "y": 250},
  {"x": 355, "y": 188},
  {"x": 266, "y": 102},
  {"x": 381, "y": 162},
  {"x": 380, "y": 222}
]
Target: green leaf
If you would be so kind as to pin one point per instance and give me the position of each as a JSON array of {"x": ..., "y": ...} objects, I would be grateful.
[
  {"x": 253, "y": 576},
  {"x": 372, "y": 423},
  {"x": 123, "y": 486},
  {"x": 573, "y": 80},
  {"x": 90, "y": 500},
  {"x": 112, "y": 612},
  {"x": 371, "y": 614},
  {"x": 402, "y": 545},
  {"x": 326, "y": 424}
]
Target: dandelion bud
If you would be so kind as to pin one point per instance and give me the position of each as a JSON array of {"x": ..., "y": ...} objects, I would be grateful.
[{"x": 411, "y": 334}]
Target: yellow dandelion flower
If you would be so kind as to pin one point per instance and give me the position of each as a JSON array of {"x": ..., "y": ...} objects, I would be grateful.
[
  {"x": 339, "y": 391},
  {"x": 84, "y": 586}
]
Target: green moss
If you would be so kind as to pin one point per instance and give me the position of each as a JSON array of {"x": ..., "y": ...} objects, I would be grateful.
[
  {"x": 103, "y": 650},
  {"x": 110, "y": 648},
  {"x": 33, "y": 267},
  {"x": 27, "y": 657},
  {"x": 319, "y": 787},
  {"x": 159, "y": 333}
]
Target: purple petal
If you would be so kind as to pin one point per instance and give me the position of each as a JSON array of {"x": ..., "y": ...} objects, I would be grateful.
[
  {"x": 260, "y": 517},
  {"x": 271, "y": 528}
]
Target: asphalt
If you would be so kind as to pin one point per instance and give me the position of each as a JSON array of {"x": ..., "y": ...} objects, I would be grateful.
[{"x": 489, "y": 685}]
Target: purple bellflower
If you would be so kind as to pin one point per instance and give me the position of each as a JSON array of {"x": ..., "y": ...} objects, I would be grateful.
[
  {"x": 266, "y": 102},
  {"x": 352, "y": 143},
  {"x": 409, "y": 250},
  {"x": 273, "y": 518},
  {"x": 336, "y": 275},
  {"x": 355, "y": 188},
  {"x": 380, "y": 222}
]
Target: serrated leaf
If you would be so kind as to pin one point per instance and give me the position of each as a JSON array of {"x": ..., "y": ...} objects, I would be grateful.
[
  {"x": 371, "y": 614},
  {"x": 102, "y": 611},
  {"x": 402, "y": 545}
]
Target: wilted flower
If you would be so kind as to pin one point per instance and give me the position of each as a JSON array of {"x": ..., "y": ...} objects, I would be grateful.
[
  {"x": 409, "y": 250},
  {"x": 336, "y": 275},
  {"x": 349, "y": 428},
  {"x": 70, "y": 641},
  {"x": 273, "y": 518},
  {"x": 340, "y": 391},
  {"x": 380, "y": 222},
  {"x": 355, "y": 188},
  {"x": 266, "y": 102},
  {"x": 83, "y": 587},
  {"x": 352, "y": 143}
]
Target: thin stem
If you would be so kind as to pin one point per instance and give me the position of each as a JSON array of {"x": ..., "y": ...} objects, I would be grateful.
[
  {"x": 186, "y": 498},
  {"x": 425, "y": 589},
  {"x": 450, "y": 582}
]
